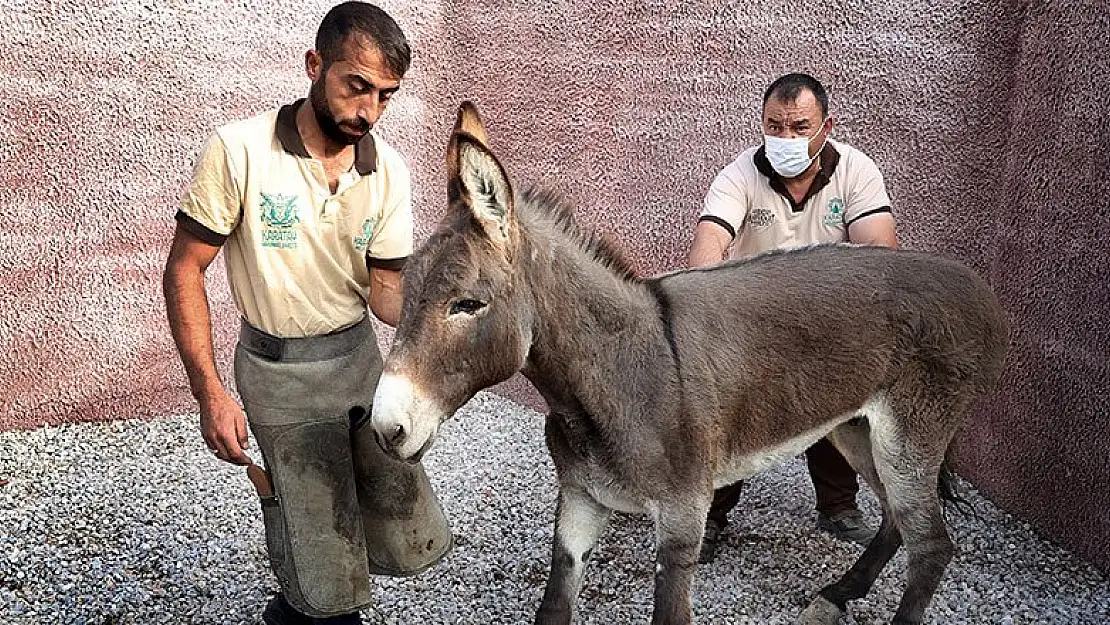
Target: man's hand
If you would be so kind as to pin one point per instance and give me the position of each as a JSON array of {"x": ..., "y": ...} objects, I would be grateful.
[{"x": 224, "y": 427}]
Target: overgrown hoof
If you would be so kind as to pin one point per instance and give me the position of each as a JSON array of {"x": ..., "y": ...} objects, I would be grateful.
[{"x": 820, "y": 612}]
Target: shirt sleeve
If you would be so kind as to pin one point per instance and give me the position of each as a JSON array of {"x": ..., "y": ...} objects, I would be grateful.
[
  {"x": 868, "y": 194},
  {"x": 726, "y": 203},
  {"x": 212, "y": 205},
  {"x": 393, "y": 234}
]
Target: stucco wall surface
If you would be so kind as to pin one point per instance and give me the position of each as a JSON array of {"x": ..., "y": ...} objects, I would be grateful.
[
  {"x": 989, "y": 120},
  {"x": 1041, "y": 446}
]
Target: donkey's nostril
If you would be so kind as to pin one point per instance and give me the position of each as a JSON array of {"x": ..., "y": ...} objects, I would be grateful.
[{"x": 397, "y": 436}]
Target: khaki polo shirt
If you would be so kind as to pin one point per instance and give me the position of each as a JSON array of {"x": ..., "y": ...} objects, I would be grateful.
[
  {"x": 748, "y": 198},
  {"x": 297, "y": 255}
]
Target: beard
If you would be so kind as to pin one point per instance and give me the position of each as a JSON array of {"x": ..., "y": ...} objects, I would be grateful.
[{"x": 329, "y": 125}]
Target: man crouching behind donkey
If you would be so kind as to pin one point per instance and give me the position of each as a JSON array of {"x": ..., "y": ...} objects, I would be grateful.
[
  {"x": 314, "y": 212},
  {"x": 799, "y": 188}
]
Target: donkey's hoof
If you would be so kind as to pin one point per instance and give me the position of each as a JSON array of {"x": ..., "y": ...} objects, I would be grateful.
[
  {"x": 552, "y": 617},
  {"x": 820, "y": 612}
]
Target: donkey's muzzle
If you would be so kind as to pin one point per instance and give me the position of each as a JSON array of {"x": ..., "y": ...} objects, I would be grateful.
[
  {"x": 392, "y": 438},
  {"x": 395, "y": 437},
  {"x": 391, "y": 444},
  {"x": 403, "y": 417}
]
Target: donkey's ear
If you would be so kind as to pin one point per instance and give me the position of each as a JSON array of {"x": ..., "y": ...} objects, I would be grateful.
[
  {"x": 484, "y": 187},
  {"x": 468, "y": 121}
]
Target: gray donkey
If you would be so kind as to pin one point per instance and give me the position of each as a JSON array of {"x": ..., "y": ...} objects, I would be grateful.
[{"x": 661, "y": 389}]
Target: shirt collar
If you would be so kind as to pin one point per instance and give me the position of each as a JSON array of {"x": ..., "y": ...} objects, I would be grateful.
[{"x": 366, "y": 151}]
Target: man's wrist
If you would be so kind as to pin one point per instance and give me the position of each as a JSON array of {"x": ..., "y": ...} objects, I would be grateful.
[{"x": 208, "y": 392}]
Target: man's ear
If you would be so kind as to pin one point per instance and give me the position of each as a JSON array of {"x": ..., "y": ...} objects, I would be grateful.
[{"x": 313, "y": 65}]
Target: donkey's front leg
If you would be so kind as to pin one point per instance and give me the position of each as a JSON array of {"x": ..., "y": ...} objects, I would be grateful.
[
  {"x": 580, "y": 519},
  {"x": 679, "y": 530}
]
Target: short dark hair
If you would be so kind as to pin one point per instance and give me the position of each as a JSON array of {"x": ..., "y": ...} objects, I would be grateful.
[
  {"x": 787, "y": 88},
  {"x": 362, "y": 18}
]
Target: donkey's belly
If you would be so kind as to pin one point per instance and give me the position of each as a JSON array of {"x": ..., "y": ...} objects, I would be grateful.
[{"x": 746, "y": 465}]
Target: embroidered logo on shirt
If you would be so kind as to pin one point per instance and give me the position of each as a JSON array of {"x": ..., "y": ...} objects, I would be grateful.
[
  {"x": 279, "y": 215},
  {"x": 835, "y": 214},
  {"x": 362, "y": 240},
  {"x": 761, "y": 218}
]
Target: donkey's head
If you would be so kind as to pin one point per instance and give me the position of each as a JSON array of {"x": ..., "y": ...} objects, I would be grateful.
[{"x": 465, "y": 321}]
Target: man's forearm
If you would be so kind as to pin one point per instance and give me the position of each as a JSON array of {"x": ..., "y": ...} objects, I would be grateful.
[
  {"x": 386, "y": 296},
  {"x": 710, "y": 245},
  {"x": 704, "y": 252},
  {"x": 191, "y": 325}
]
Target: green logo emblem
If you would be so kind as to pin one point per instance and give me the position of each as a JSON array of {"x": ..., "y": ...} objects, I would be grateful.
[
  {"x": 279, "y": 215},
  {"x": 362, "y": 240},
  {"x": 835, "y": 215}
]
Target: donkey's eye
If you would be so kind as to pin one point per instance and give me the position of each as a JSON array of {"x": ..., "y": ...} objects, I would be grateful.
[{"x": 466, "y": 306}]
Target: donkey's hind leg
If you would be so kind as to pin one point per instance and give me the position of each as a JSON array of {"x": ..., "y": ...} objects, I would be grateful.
[
  {"x": 909, "y": 466},
  {"x": 580, "y": 520},
  {"x": 853, "y": 441}
]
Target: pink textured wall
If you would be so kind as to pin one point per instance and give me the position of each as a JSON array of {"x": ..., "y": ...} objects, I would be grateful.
[
  {"x": 1041, "y": 448},
  {"x": 989, "y": 119}
]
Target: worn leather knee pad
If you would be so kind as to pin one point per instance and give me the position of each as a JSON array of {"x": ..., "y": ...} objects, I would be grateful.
[
  {"x": 332, "y": 524},
  {"x": 314, "y": 533},
  {"x": 406, "y": 529}
]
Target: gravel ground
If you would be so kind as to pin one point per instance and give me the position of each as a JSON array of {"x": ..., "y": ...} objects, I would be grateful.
[{"x": 134, "y": 522}]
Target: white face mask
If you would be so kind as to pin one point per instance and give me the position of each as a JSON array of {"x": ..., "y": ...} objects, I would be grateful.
[{"x": 790, "y": 157}]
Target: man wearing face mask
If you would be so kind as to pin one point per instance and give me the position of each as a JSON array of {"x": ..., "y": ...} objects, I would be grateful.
[
  {"x": 799, "y": 188},
  {"x": 314, "y": 214}
]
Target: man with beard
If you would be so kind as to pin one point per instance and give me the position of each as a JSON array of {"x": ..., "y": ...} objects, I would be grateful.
[
  {"x": 314, "y": 213},
  {"x": 799, "y": 188}
]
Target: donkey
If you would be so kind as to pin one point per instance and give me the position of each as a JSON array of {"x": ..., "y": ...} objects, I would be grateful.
[{"x": 661, "y": 389}]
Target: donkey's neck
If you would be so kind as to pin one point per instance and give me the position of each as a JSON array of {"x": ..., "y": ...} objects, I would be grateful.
[{"x": 600, "y": 345}]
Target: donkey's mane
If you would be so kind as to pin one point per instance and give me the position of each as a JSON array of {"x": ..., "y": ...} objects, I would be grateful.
[{"x": 551, "y": 206}]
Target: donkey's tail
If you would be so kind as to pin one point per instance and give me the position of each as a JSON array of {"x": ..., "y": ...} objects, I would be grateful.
[{"x": 948, "y": 489}]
